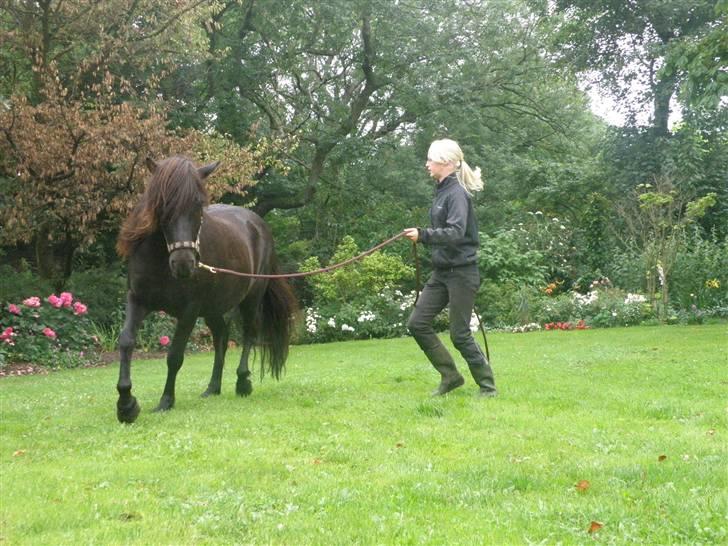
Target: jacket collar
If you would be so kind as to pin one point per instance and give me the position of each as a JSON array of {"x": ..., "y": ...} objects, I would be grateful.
[{"x": 447, "y": 182}]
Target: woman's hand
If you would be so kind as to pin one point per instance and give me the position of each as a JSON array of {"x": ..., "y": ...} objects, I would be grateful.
[{"x": 412, "y": 234}]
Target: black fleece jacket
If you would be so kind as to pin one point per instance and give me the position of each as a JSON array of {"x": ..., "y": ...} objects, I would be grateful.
[{"x": 453, "y": 237}]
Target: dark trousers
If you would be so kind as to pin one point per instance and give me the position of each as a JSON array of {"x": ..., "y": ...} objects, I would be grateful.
[{"x": 456, "y": 287}]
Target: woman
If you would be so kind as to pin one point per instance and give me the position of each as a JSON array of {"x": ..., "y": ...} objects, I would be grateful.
[{"x": 453, "y": 239}]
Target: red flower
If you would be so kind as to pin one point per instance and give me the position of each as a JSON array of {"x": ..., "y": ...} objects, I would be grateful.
[{"x": 164, "y": 341}]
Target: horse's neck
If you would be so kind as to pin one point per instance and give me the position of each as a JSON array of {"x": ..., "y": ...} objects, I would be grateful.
[{"x": 151, "y": 249}]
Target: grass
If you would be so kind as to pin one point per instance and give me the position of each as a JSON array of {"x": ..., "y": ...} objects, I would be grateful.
[{"x": 349, "y": 449}]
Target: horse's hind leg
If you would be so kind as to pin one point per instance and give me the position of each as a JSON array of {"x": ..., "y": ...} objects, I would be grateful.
[
  {"x": 248, "y": 332},
  {"x": 175, "y": 357},
  {"x": 220, "y": 333},
  {"x": 243, "y": 386}
]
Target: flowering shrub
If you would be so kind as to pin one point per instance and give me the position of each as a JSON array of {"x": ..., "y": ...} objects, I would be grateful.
[
  {"x": 50, "y": 332},
  {"x": 530, "y": 327},
  {"x": 601, "y": 306},
  {"x": 383, "y": 315}
]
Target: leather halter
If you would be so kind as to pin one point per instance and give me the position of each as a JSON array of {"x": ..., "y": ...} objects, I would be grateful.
[{"x": 194, "y": 245}]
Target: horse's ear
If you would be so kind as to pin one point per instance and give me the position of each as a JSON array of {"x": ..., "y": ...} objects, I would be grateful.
[
  {"x": 207, "y": 170},
  {"x": 151, "y": 165}
]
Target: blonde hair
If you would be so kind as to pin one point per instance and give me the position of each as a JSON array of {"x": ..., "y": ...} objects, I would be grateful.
[{"x": 448, "y": 151}]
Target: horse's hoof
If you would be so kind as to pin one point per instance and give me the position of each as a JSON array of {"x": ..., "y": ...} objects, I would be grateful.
[
  {"x": 128, "y": 412},
  {"x": 244, "y": 387},
  {"x": 210, "y": 392},
  {"x": 165, "y": 404}
]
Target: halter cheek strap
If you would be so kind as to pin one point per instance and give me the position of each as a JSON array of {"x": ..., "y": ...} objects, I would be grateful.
[{"x": 195, "y": 245}]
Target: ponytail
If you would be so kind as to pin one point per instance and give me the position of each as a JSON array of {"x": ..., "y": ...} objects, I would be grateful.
[
  {"x": 448, "y": 151},
  {"x": 469, "y": 179}
]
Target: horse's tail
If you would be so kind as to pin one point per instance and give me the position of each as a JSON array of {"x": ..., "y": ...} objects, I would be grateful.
[{"x": 278, "y": 309}]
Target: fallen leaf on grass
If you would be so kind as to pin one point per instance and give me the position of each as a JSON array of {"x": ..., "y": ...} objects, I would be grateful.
[
  {"x": 711, "y": 432},
  {"x": 583, "y": 485},
  {"x": 316, "y": 461},
  {"x": 399, "y": 444},
  {"x": 662, "y": 458},
  {"x": 594, "y": 526},
  {"x": 19, "y": 453}
]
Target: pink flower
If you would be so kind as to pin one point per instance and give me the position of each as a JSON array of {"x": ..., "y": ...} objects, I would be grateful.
[
  {"x": 164, "y": 341},
  {"x": 47, "y": 332},
  {"x": 7, "y": 335},
  {"x": 79, "y": 308},
  {"x": 14, "y": 309},
  {"x": 32, "y": 302},
  {"x": 66, "y": 298},
  {"x": 55, "y": 301}
]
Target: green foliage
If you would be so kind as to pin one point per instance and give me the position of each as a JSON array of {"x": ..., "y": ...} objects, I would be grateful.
[
  {"x": 700, "y": 273},
  {"x": 357, "y": 281},
  {"x": 506, "y": 259},
  {"x": 18, "y": 283},
  {"x": 104, "y": 290},
  {"x": 594, "y": 223}
]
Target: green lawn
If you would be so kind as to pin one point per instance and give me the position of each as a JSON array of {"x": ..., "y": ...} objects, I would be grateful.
[{"x": 348, "y": 448}]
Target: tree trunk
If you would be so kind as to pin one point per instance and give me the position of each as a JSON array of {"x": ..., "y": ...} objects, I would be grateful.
[
  {"x": 51, "y": 266},
  {"x": 663, "y": 90}
]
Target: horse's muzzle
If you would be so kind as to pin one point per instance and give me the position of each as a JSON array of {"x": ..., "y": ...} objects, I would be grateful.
[{"x": 182, "y": 264}]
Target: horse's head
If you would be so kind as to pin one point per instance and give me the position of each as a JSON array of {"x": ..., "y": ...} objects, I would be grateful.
[{"x": 182, "y": 197}]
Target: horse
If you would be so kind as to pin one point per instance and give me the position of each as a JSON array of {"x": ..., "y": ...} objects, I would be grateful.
[{"x": 164, "y": 238}]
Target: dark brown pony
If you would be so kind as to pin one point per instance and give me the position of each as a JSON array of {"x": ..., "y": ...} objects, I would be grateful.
[{"x": 166, "y": 235}]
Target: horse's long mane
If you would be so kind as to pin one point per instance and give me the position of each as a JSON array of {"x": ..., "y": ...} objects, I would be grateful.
[{"x": 174, "y": 188}]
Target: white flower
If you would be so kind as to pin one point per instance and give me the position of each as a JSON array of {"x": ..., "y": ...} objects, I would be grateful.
[
  {"x": 635, "y": 298},
  {"x": 332, "y": 322},
  {"x": 366, "y": 316},
  {"x": 312, "y": 318},
  {"x": 346, "y": 328},
  {"x": 474, "y": 322},
  {"x": 586, "y": 299}
]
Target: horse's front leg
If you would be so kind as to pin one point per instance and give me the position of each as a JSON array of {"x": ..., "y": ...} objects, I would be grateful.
[
  {"x": 175, "y": 357},
  {"x": 220, "y": 334},
  {"x": 127, "y": 407}
]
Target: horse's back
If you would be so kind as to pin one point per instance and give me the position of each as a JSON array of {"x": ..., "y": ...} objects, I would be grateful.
[
  {"x": 234, "y": 215},
  {"x": 237, "y": 238}
]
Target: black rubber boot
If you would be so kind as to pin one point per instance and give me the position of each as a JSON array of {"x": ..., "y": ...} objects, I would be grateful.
[
  {"x": 443, "y": 363},
  {"x": 483, "y": 375}
]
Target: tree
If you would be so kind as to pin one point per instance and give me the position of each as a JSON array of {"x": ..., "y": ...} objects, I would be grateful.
[
  {"x": 350, "y": 79},
  {"x": 633, "y": 44},
  {"x": 657, "y": 219},
  {"x": 78, "y": 119}
]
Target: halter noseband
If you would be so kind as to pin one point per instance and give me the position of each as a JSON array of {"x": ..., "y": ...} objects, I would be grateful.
[{"x": 194, "y": 245}]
